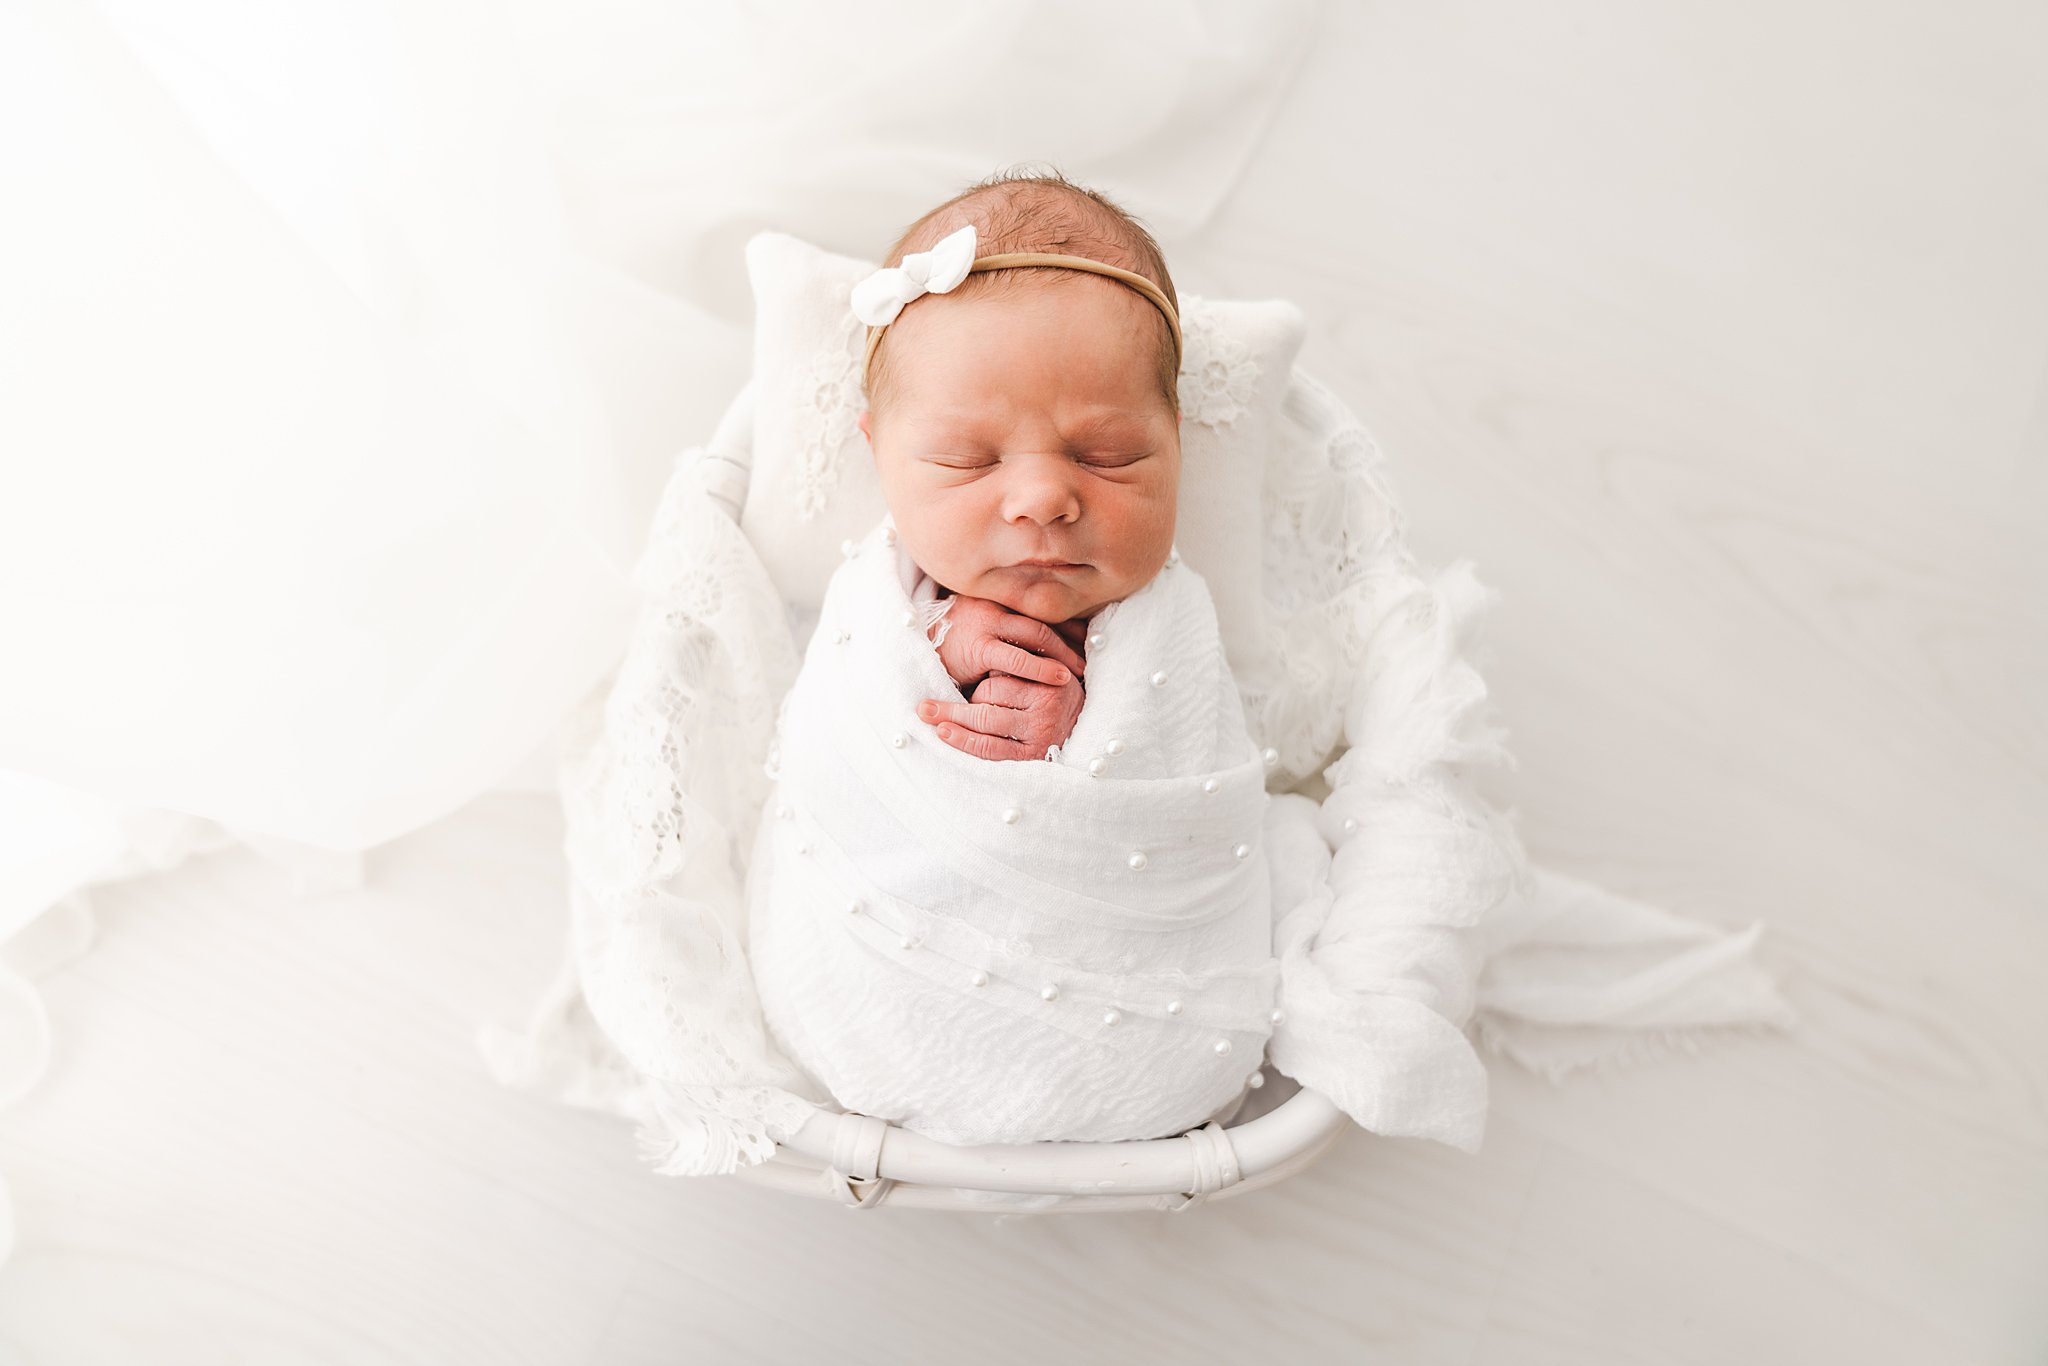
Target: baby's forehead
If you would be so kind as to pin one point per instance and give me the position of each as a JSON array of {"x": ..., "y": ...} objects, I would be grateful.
[{"x": 993, "y": 303}]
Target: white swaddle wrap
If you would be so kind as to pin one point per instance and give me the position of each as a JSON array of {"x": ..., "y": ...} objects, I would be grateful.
[{"x": 1072, "y": 948}]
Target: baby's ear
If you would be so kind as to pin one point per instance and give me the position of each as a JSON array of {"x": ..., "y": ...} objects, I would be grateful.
[{"x": 870, "y": 436}]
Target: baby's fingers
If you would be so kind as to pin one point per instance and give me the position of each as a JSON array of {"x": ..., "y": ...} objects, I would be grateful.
[
  {"x": 1009, "y": 659},
  {"x": 1040, "y": 639},
  {"x": 1000, "y": 722},
  {"x": 982, "y": 746},
  {"x": 1005, "y": 690}
]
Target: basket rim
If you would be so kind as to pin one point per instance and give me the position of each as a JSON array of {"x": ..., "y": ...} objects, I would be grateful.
[{"x": 1132, "y": 1174}]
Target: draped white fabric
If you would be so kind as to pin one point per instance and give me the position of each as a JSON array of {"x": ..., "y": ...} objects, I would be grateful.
[{"x": 347, "y": 345}]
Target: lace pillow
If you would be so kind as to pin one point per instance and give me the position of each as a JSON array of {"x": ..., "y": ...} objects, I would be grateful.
[{"x": 813, "y": 484}]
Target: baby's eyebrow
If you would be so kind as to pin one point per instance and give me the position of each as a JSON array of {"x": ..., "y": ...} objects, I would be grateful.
[
  {"x": 1099, "y": 423},
  {"x": 971, "y": 424}
]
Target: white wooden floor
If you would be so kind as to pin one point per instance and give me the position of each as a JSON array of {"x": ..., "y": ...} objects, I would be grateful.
[{"x": 1718, "y": 337}]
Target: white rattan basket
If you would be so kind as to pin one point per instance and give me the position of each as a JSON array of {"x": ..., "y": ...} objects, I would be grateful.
[
  {"x": 1278, "y": 1130},
  {"x": 863, "y": 1162}
]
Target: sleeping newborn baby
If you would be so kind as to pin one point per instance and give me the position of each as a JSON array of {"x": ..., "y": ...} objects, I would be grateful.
[{"x": 1013, "y": 888}]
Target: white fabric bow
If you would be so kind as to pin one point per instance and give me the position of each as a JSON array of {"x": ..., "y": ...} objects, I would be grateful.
[{"x": 879, "y": 298}]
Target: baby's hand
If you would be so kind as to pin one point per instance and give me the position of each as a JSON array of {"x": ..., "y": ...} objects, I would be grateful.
[
  {"x": 1008, "y": 718},
  {"x": 984, "y": 638}
]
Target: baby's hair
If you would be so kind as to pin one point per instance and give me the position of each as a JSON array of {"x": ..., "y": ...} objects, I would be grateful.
[{"x": 1025, "y": 209}]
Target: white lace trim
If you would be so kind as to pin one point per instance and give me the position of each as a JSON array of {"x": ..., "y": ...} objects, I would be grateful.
[
  {"x": 828, "y": 417},
  {"x": 660, "y": 798},
  {"x": 1333, "y": 554},
  {"x": 1219, "y": 378}
]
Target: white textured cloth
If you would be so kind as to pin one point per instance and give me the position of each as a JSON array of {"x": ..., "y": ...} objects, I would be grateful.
[
  {"x": 1075, "y": 948},
  {"x": 1577, "y": 976}
]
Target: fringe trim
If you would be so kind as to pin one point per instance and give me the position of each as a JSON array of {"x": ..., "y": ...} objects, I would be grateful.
[
  {"x": 934, "y": 616},
  {"x": 715, "y": 1130},
  {"x": 1621, "y": 1053}
]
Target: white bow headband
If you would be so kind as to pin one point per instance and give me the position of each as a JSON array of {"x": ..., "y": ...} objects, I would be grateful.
[{"x": 879, "y": 298}]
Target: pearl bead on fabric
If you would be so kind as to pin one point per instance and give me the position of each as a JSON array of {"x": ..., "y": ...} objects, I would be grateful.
[
  {"x": 1173, "y": 1007},
  {"x": 1137, "y": 861},
  {"x": 1113, "y": 747},
  {"x": 910, "y": 618},
  {"x": 1223, "y": 1048},
  {"x": 853, "y": 908},
  {"x": 1211, "y": 786},
  {"x": 1272, "y": 757},
  {"x": 979, "y": 978},
  {"x": 1350, "y": 824},
  {"x": 1255, "y": 1080},
  {"x": 1096, "y": 765},
  {"x": 904, "y": 941},
  {"x": 1159, "y": 679},
  {"x": 1274, "y": 1017},
  {"x": 1048, "y": 992},
  {"x": 1011, "y": 815},
  {"x": 898, "y": 740},
  {"x": 1243, "y": 851},
  {"x": 1110, "y": 1017},
  {"x": 1095, "y": 640}
]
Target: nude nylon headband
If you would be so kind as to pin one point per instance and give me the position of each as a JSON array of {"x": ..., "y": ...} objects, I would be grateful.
[{"x": 1013, "y": 259}]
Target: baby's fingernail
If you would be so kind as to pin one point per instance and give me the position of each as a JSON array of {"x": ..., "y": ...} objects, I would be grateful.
[{"x": 1061, "y": 676}]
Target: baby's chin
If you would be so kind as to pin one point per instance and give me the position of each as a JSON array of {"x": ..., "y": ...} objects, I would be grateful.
[
  {"x": 1052, "y": 597},
  {"x": 1051, "y": 600},
  {"x": 1049, "y": 603}
]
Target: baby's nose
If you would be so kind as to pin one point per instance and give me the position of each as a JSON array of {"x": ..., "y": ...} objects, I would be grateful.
[{"x": 1041, "y": 489}]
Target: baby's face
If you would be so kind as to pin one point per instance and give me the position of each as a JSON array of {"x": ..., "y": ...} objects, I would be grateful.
[{"x": 1024, "y": 448}]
